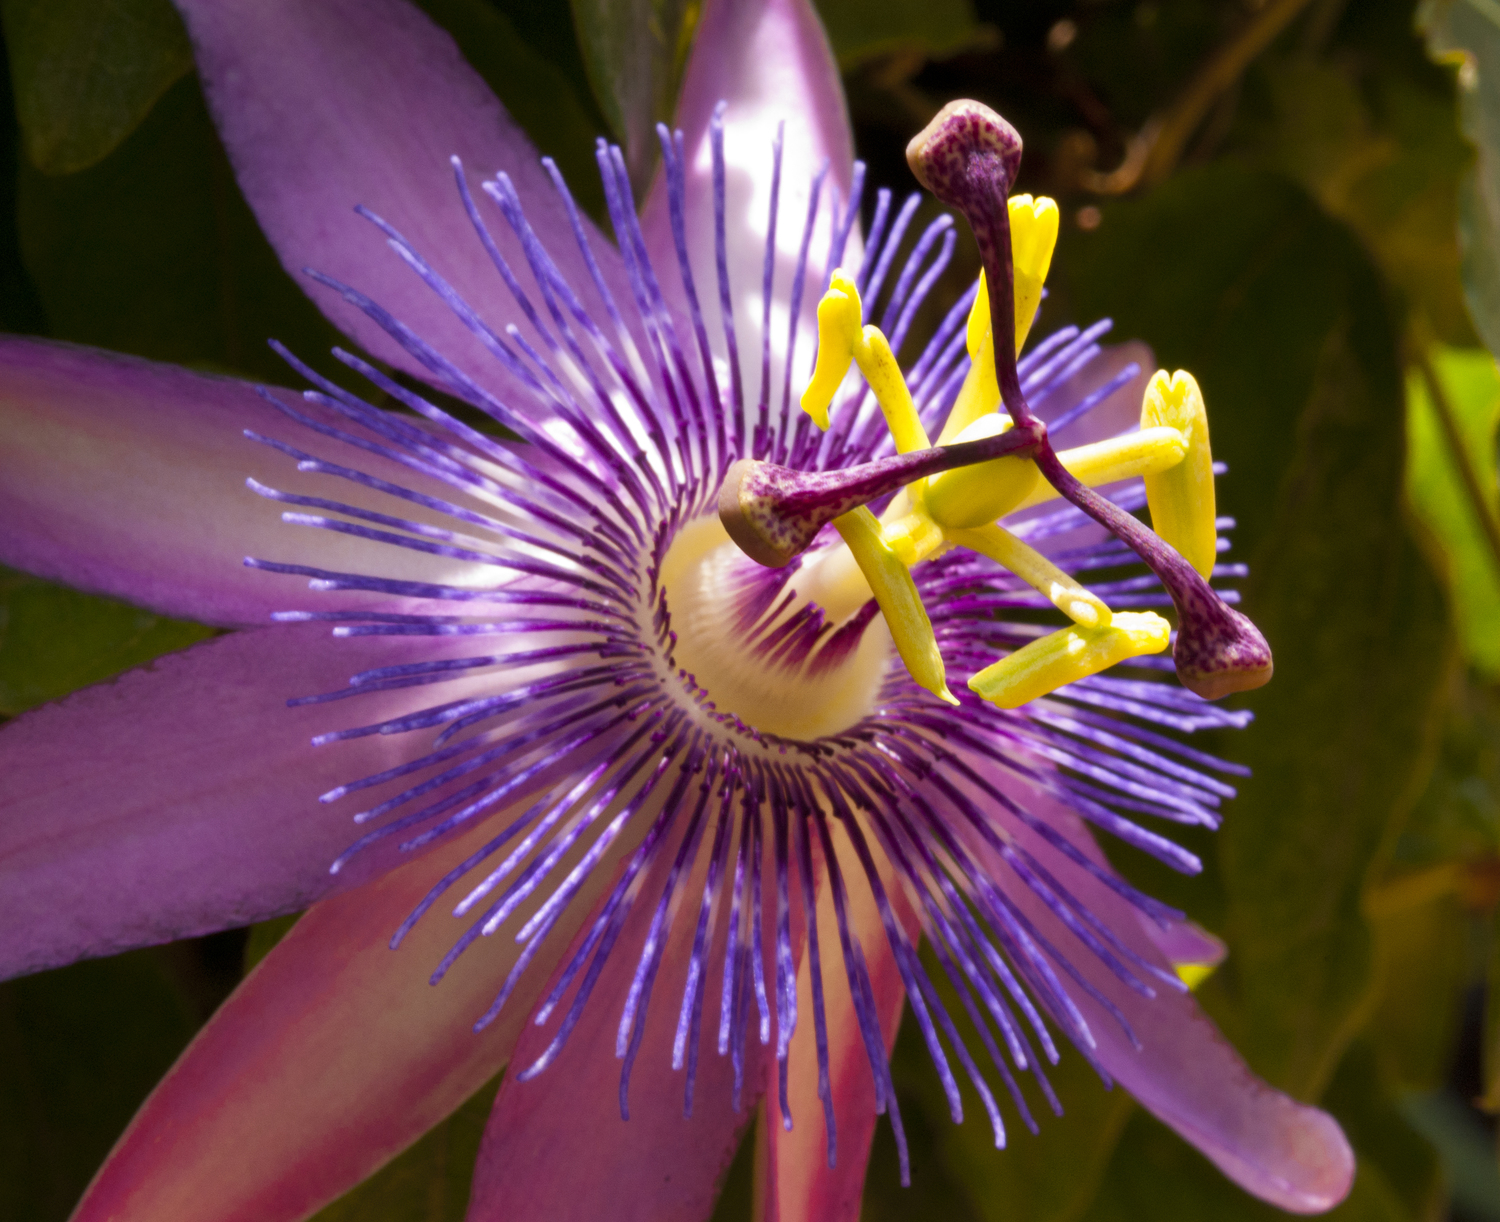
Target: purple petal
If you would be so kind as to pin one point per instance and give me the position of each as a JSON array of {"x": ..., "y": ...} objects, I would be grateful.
[
  {"x": 1186, "y": 1073},
  {"x": 798, "y": 1182},
  {"x": 183, "y": 797},
  {"x": 328, "y": 104},
  {"x": 770, "y": 61},
  {"x": 128, "y": 478},
  {"x": 659, "y": 1165},
  {"x": 332, "y": 1056}
]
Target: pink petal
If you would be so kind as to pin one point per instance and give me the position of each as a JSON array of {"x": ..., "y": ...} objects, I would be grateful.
[
  {"x": 333, "y": 1056},
  {"x": 128, "y": 478},
  {"x": 770, "y": 61},
  {"x": 556, "y": 1146},
  {"x": 183, "y": 797},
  {"x": 1186, "y": 1073},
  {"x": 798, "y": 1183},
  {"x": 328, "y": 104}
]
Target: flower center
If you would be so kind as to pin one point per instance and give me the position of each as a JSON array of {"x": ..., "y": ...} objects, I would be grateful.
[{"x": 764, "y": 656}]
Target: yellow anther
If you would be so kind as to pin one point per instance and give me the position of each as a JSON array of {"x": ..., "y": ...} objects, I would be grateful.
[
  {"x": 977, "y": 495},
  {"x": 1182, "y": 497},
  {"x": 878, "y": 363},
  {"x": 898, "y": 598},
  {"x": 1069, "y": 655},
  {"x": 1033, "y": 237},
  {"x": 1079, "y": 604},
  {"x": 841, "y": 339},
  {"x": 838, "y": 335},
  {"x": 1145, "y": 453},
  {"x": 979, "y": 318}
]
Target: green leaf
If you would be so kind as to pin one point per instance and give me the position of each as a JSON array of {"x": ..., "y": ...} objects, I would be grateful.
[
  {"x": 1456, "y": 821},
  {"x": 1384, "y": 156},
  {"x": 1423, "y": 965},
  {"x": 1343, "y": 737},
  {"x": 54, "y": 640},
  {"x": 1467, "y": 32},
  {"x": 80, "y": 1048},
  {"x": 1466, "y": 1149},
  {"x": 1490, "y": 1051},
  {"x": 86, "y": 72},
  {"x": 428, "y": 1182},
  {"x": 154, "y": 252},
  {"x": 636, "y": 51},
  {"x": 1440, "y": 496},
  {"x": 861, "y": 30}
]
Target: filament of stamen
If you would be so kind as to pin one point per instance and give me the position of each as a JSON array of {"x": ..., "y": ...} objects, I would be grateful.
[
  {"x": 898, "y": 598},
  {"x": 1079, "y": 604},
  {"x": 1069, "y": 655}
]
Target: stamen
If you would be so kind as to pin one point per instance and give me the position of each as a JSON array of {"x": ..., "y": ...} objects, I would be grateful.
[
  {"x": 1033, "y": 236},
  {"x": 840, "y": 341},
  {"x": 1181, "y": 497},
  {"x": 968, "y": 157},
  {"x": 1080, "y": 605},
  {"x": 1067, "y": 656},
  {"x": 898, "y": 598}
]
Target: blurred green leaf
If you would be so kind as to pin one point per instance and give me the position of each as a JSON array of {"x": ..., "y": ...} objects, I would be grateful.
[
  {"x": 80, "y": 1048},
  {"x": 428, "y": 1182},
  {"x": 1440, "y": 497},
  {"x": 860, "y": 30},
  {"x": 1490, "y": 1037},
  {"x": 635, "y": 51},
  {"x": 1423, "y": 967},
  {"x": 1239, "y": 277},
  {"x": 1467, "y": 32},
  {"x": 1456, "y": 821},
  {"x": 154, "y": 252},
  {"x": 86, "y": 72},
  {"x": 20, "y": 308},
  {"x": 1387, "y": 159},
  {"x": 1466, "y": 1150},
  {"x": 555, "y": 110},
  {"x": 54, "y": 640}
]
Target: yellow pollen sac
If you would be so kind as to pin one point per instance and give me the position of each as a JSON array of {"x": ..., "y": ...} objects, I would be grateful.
[
  {"x": 977, "y": 495},
  {"x": 1068, "y": 655},
  {"x": 899, "y": 601},
  {"x": 838, "y": 333},
  {"x": 841, "y": 339},
  {"x": 1079, "y": 604},
  {"x": 1182, "y": 497},
  {"x": 1033, "y": 235}
]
